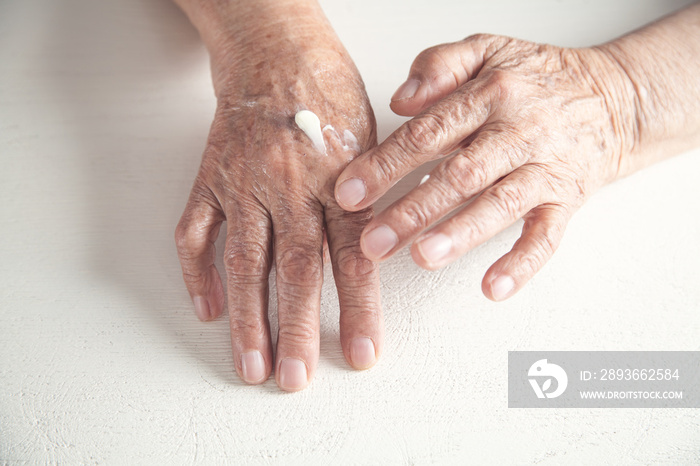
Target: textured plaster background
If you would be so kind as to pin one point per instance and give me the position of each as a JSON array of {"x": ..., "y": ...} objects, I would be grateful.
[{"x": 104, "y": 110}]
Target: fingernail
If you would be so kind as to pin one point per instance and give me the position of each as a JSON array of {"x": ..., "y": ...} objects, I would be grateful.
[
  {"x": 362, "y": 353},
  {"x": 201, "y": 307},
  {"x": 380, "y": 241},
  {"x": 293, "y": 374},
  {"x": 502, "y": 286},
  {"x": 435, "y": 247},
  {"x": 351, "y": 192},
  {"x": 253, "y": 366},
  {"x": 407, "y": 90}
]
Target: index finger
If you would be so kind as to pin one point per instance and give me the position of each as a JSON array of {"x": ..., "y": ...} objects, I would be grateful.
[{"x": 434, "y": 133}]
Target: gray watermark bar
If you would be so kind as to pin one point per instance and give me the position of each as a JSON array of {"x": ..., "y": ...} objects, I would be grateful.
[{"x": 604, "y": 379}]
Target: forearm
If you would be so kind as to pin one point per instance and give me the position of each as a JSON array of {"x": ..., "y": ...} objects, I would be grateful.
[
  {"x": 661, "y": 65},
  {"x": 241, "y": 35},
  {"x": 244, "y": 23}
]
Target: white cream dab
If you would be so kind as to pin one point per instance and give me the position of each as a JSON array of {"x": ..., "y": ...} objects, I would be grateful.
[
  {"x": 310, "y": 124},
  {"x": 349, "y": 140}
]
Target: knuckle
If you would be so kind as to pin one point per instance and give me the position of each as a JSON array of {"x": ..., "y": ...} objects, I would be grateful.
[
  {"x": 184, "y": 238},
  {"x": 363, "y": 315},
  {"x": 503, "y": 81},
  {"x": 546, "y": 239},
  {"x": 464, "y": 175},
  {"x": 352, "y": 264},
  {"x": 472, "y": 230},
  {"x": 541, "y": 238},
  {"x": 508, "y": 199},
  {"x": 414, "y": 215},
  {"x": 545, "y": 244},
  {"x": 299, "y": 266},
  {"x": 352, "y": 223},
  {"x": 529, "y": 262},
  {"x": 193, "y": 247},
  {"x": 480, "y": 37},
  {"x": 298, "y": 333},
  {"x": 241, "y": 326},
  {"x": 246, "y": 262},
  {"x": 431, "y": 58},
  {"x": 427, "y": 53},
  {"x": 421, "y": 134},
  {"x": 194, "y": 280},
  {"x": 385, "y": 166},
  {"x": 542, "y": 246}
]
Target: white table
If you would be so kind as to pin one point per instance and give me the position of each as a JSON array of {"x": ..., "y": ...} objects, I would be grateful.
[{"x": 104, "y": 110}]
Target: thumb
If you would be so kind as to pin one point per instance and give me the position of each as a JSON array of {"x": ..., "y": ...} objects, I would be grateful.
[{"x": 439, "y": 70}]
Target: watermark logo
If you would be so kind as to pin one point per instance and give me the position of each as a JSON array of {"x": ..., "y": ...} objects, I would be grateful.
[
  {"x": 604, "y": 379},
  {"x": 546, "y": 372}
]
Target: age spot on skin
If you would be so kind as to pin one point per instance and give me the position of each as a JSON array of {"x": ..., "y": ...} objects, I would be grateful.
[{"x": 310, "y": 124}]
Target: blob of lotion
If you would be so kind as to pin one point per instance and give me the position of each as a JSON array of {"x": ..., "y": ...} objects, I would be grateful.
[{"x": 310, "y": 124}]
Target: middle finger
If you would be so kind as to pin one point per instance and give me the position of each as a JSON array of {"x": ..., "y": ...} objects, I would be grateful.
[
  {"x": 298, "y": 241},
  {"x": 451, "y": 183}
]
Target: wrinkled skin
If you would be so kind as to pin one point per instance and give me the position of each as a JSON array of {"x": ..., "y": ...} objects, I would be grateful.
[
  {"x": 262, "y": 175},
  {"x": 526, "y": 131}
]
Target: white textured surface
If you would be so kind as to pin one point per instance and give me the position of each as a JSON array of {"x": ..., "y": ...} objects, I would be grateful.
[{"x": 104, "y": 110}]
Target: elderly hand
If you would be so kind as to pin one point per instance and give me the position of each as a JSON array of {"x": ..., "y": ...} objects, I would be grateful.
[
  {"x": 525, "y": 130},
  {"x": 264, "y": 176}
]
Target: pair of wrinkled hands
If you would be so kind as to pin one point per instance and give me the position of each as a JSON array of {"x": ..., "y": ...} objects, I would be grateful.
[{"x": 523, "y": 130}]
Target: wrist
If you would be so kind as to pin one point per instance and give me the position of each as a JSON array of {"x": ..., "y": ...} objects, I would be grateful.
[
  {"x": 659, "y": 75},
  {"x": 246, "y": 33},
  {"x": 276, "y": 40},
  {"x": 218, "y": 22},
  {"x": 625, "y": 105},
  {"x": 618, "y": 100}
]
